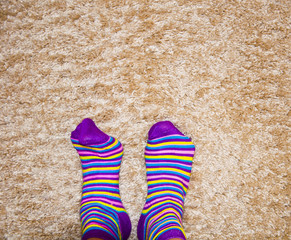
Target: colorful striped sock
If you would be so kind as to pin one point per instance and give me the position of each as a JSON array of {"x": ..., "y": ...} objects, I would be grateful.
[
  {"x": 168, "y": 156},
  {"x": 102, "y": 212}
]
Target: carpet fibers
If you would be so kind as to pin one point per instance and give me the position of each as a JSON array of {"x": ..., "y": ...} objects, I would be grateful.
[{"x": 219, "y": 70}]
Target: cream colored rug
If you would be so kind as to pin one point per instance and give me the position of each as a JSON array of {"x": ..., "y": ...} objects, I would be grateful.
[{"x": 219, "y": 70}]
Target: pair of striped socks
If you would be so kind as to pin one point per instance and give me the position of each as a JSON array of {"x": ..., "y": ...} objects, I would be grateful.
[{"x": 168, "y": 156}]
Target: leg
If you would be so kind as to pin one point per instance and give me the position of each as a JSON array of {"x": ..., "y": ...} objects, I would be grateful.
[
  {"x": 102, "y": 213},
  {"x": 168, "y": 156}
]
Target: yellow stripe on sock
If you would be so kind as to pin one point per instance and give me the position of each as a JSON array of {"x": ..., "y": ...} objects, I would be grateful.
[
  {"x": 164, "y": 192},
  {"x": 158, "y": 219},
  {"x": 90, "y": 219},
  {"x": 100, "y": 169},
  {"x": 161, "y": 203},
  {"x": 118, "y": 209},
  {"x": 169, "y": 156},
  {"x": 169, "y": 143},
  {"x": 169, "y": 169},
  {"x": 96, "y": 225},
  {"x": 166, "y": 229},
  {"x": 172, "y": 220},
  {"x": 100, "y": 181},
  {"x": 101, "y": 193},
  {"x": 95, "y": 148},
  {"x": 151, "y": 182},
  {"x": 96, "y": 157}
]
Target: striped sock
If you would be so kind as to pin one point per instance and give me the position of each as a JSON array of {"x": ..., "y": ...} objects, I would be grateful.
[
  {"x": 168, "y": 156},
  {"x": 102, "y": 212}
]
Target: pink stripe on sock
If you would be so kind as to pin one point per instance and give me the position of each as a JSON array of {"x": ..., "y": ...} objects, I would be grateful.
[
  {"x": 102, "y": 200},
  {"x": 151, "y": 188},
  {"x": 168, "y": 151},
  {"x": 173, "y": 135},
  {"x": 177, "y": 165},
  {"x": 100, "y": 177},
  {"x": 100, "y": 224},
  {"x": 92, "y": 153},
  {"x": 88, "y": 188},
  {"x": 98, "y": 161},
  {"x": 160, "y": 199},
  {"x": 158, "y": 216},
  {"x": 166, "y": 176}
]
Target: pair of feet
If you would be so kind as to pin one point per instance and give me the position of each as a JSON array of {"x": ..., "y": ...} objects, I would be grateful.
[{"x": 168, "y": 156}]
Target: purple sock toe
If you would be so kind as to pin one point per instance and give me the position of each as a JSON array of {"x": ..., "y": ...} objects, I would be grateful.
[
  {"x": 163, "y": 128},
  {"x": 88, "y": 133},
  {"x": 75, "y": 134}
]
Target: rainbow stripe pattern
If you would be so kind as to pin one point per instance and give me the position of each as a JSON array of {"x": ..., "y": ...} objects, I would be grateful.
[
  {"x": 168, "y": 165},
  {"x": 102, "y": 212}
]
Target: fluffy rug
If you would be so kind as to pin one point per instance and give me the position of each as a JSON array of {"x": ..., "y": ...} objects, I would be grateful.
[{"x": 219, "y": 70}]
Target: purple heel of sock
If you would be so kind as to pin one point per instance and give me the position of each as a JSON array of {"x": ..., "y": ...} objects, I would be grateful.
[
  {"x": 125, "y": 225},
  {"x": 88, "y": 133},
  {"x": 175, "y": 233},
  {"x": 97, "y": 234},
  {"x": 163, "y": 128}
]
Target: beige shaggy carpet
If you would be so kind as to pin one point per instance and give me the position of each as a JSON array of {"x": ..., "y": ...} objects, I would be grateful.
[{"x": 219, "y": 70}]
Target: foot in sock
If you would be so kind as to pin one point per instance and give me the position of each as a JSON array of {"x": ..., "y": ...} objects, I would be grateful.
[
  {"x": 168, "y": 156},
  {"x": 102, "y": 212}
]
